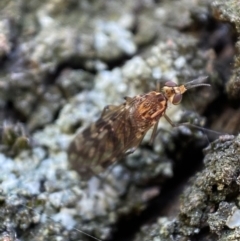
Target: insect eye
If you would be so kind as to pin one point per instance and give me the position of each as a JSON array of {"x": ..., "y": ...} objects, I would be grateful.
[
  {"x": 170, "y": 84},
  {"x": 177, "y": 99}
]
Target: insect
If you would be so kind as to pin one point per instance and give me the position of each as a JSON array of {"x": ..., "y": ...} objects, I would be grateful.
[{"x": 120, "y": 129}]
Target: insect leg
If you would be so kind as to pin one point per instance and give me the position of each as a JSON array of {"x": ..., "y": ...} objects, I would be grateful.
[
  {"x": 174, "y": 124},
  {"x": 107, "y": 108},
  {"x": 103, "y": 179},
  {"x": 154, "y": 133},
  {"x": 130, "y": 151},
  {"x": 170, "y": 121}
]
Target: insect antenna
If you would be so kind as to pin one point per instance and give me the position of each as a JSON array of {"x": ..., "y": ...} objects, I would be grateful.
[
  {"x": 204, "y": 129},
  {"x": 192, "y": 84},
  {"x": 196, "y": 83}
]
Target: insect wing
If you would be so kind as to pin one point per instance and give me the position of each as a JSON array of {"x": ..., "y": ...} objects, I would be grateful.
[{"x": 104, "y": 141}]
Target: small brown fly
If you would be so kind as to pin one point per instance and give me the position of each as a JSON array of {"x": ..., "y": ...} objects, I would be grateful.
[{"x": 120, "y": 129}]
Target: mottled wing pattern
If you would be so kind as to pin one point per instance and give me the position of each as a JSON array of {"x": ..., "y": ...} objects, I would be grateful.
[{"x": 104, "y": 141}]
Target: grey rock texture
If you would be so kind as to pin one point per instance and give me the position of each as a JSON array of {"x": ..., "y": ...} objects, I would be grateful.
[{"x": 61, "y": 63}]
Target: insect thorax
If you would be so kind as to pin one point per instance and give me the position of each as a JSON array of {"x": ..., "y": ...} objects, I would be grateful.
[{"x": 150, "y": 107}]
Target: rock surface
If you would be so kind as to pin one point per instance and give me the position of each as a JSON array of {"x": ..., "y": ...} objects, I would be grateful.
[{"x": 61, "y": 63}]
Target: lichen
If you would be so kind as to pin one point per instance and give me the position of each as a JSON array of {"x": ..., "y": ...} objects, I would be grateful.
[
  {"x": 229, "y": 11},
  {"x": 61, "y": 63},
  {"x": 211, "y": 197}
]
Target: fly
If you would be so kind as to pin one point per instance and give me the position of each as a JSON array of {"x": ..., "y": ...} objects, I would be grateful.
[{"x": 120, "y": 129}]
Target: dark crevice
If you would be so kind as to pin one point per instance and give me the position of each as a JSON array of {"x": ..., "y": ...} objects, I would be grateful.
[
  {"x": 160, "y": 206},
  {"x": 205, "y": 234},
  {"x": 78, "y": 63},
  {"x": 215, "y": 108},
  {"x": 215, "y": 117},
  {"x": 74, "y": 63},
  {"x": 213, "y": 34},
  {"x": 12, "y": 114}
]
